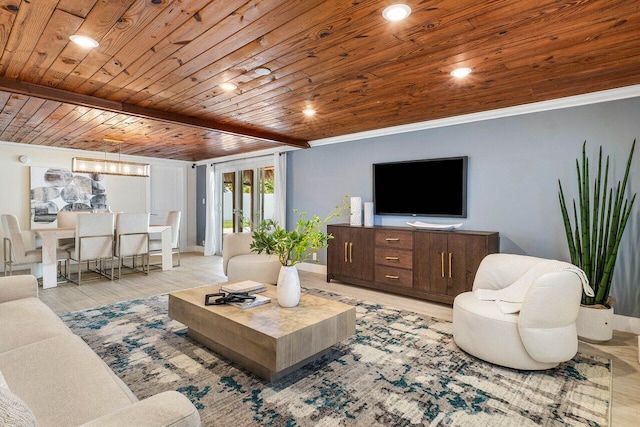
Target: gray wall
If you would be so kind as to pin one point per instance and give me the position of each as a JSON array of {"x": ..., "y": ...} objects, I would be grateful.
[
  {"x": 201, "y": 208},
  {"x": 514, "y": 166}
]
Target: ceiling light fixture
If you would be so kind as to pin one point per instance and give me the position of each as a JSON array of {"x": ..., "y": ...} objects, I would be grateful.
[
  {"x": 309, "y": 112},
  {"x": 109, "y": 167},
  {"x": 461, "y": 72},
  {"x": 396, "y": 12},
  {"x": 84, "y": 41},
  {"x": 262, "y": 71},
  {"x": 228, "y": 86}
]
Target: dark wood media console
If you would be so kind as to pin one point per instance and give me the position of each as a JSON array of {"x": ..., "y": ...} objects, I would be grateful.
[{"x": 432, "y": 265}]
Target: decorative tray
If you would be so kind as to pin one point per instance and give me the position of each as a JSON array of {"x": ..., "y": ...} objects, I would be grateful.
[{"x": 430, "y": 226}]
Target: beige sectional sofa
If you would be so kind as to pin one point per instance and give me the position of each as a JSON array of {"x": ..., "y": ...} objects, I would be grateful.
[{"x": 60, "y": 379}]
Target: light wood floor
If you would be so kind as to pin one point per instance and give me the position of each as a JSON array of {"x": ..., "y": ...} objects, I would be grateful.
[{"x": 197, "y": 270}]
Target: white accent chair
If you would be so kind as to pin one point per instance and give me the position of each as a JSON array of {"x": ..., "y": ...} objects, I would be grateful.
[
  {"x": 171, "y": 218},
  {"x": 15, "y": 249},
  {"x": 132, "y": 239},
  {"x": 239, "y": 263},
  {"x": 94, "y": 241},
  {"x": 541, "y": 334}
]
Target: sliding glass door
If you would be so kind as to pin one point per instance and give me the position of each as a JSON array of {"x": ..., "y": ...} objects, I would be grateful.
[{"x": 247, "y": 198}]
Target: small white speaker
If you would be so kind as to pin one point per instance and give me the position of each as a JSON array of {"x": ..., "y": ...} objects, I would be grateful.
[
  {"x": 356, "y": 211},
  {"x": 368, "y": 214}
]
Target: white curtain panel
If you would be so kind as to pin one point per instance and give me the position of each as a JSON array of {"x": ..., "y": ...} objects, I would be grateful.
[
  {"x": 211, "y": 241},
  {"x": 280, "y": 177}
]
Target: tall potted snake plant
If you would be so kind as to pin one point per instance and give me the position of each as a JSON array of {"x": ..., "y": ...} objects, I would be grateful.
[{"x": 599, "y": 219}]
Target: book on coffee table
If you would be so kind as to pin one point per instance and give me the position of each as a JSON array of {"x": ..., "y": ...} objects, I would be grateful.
[
  {"x": 259, "y": 300},
  {"x": 248, "y": 286}
]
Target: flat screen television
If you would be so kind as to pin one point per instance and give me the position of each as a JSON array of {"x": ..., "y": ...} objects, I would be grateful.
[{"x": 429, "y": 187}]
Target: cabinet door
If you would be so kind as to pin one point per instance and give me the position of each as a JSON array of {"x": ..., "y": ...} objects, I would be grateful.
[
  {"x": 430, "y": 266},
  {"x": 337, "y": 251},
  {"x": 441, "y": 263},
  {"x": 360, "y": 253},
  {"x": 350, "y": 253},
  {"x": 438, "y": 260},
  {"x": 475, "y": 249},
  {"x": 456, "y": 263}
]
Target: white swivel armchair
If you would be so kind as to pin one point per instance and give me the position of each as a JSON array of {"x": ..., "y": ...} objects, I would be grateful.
[
  {"x": 94, "y": 241},
  {"x": 521, "y": 313},
  {"x": 239, "y": 263},
  {"x": 15, "y": 249},
  {"x": 132, "y": 239}
]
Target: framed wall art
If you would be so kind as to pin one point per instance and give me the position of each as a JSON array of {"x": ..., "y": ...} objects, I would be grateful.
[{"x": 56, "y": 189}]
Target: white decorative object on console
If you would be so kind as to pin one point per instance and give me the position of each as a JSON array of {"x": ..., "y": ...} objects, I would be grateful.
[
  {"x": 356, "y": 211},
  {"x": 430, "y": 226},
  {"x": 368, "y": 214}
]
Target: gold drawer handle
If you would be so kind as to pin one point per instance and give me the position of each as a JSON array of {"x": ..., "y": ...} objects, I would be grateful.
[
  {"x": 346, "y": 245},
  {"x": 450, "y": 256},
  {"x": 391, "y": 258},
  {"x": 442, "y": 264},
  {"x": 392, "y": 239},
  {"x": 388, "y": 276}
]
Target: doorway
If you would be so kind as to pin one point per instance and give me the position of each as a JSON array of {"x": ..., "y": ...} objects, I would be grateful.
[{"x": 247, "y": 198}]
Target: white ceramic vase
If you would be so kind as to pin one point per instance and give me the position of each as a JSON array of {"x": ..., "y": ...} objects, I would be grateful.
[
  {"x": 288, "y": 287},
  {"x": 595, "y": 323},
  {"x": 368, "y": 214},
  {"x": 356, "y": 211}
]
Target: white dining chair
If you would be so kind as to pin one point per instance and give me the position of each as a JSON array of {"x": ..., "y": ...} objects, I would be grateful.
[
  {"x": 132, "y": 240},
  {"x": 94, "y": 242},
  {"x": 68, "y": 219},
  {"x": 15, "y": 249},
  {"x": 172, "y": 218}
]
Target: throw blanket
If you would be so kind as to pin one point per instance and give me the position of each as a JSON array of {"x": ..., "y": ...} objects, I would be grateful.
[{"x": 510, "y": 298}]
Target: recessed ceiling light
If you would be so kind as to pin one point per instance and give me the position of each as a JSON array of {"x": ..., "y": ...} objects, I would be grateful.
[
  {"x": 228, "y": 86},
  {"x": 262, "y": 71},
  {"x": 396, "y": 12},
  {"x": 84, "y": 41},
  {"x": 461, "y": 72},
  {"x": 309, "y": 112}
]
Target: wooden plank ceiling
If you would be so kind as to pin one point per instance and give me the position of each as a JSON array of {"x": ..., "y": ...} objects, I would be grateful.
[{"x": 154, "y": 80}]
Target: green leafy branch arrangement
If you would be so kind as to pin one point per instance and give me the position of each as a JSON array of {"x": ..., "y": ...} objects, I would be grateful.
[
  {"x": 298, "y": 245},
  {"x": 598, "y": 225}
]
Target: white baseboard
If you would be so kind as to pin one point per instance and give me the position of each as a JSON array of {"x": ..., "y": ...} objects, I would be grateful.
[
  {"x": 312, "y": 267},
  {"x": 626, "y": 324},
  {"x": 620, "y": 323}
]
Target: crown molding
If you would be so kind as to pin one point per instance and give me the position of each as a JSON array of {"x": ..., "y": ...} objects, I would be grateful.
[
  {"x": 554, "y": 104},
  {"x": 97, "y": 154}
]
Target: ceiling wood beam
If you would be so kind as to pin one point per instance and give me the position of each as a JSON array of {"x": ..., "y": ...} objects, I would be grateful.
[{"x": 54, "y": 94}]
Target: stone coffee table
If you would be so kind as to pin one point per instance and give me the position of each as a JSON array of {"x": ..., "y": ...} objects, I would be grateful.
[{"x": 267, "y": 340}]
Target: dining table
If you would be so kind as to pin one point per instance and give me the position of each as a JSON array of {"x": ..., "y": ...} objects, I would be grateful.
[{"x": 50, "y": 236}]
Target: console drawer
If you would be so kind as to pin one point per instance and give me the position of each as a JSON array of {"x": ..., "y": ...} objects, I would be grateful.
[
  {"x": 394, "y": 239},
  {"x": 394, "y": 276},
  {"x": 393, "y": 257}
]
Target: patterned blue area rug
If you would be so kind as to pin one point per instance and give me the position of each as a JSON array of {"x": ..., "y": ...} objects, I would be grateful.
[{"x": 399, "y": 369}]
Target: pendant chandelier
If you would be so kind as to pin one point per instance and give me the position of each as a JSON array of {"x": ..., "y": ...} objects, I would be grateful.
[{"x": 109, "y": 167}]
